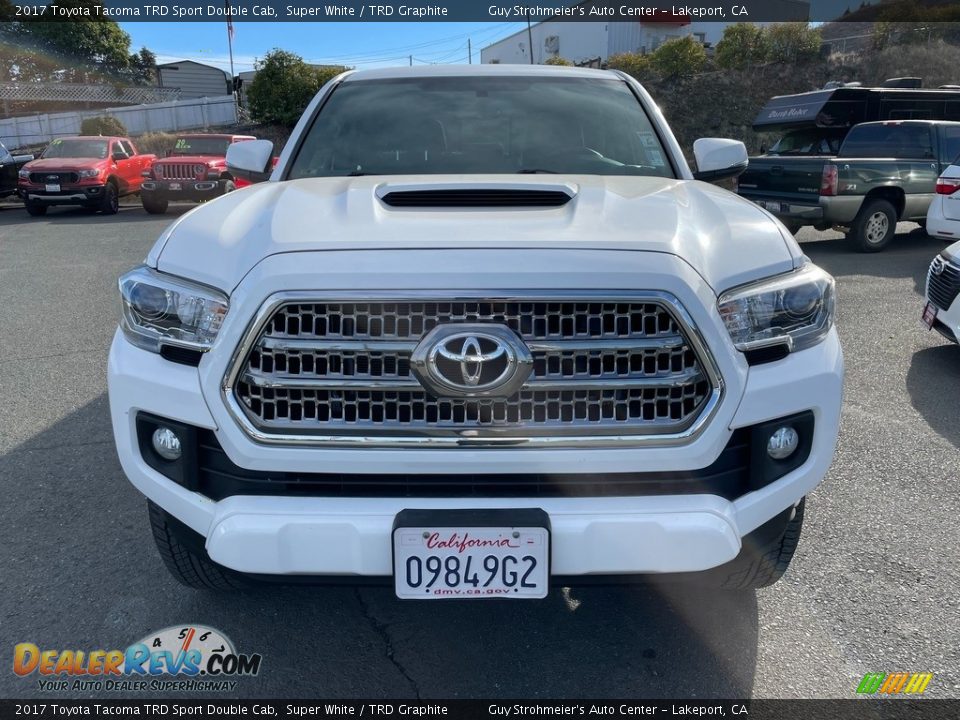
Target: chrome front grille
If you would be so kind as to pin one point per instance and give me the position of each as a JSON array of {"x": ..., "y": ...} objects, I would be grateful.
[
  {"x": 943, "y": 287},
  {"x": 607, "y": 369}
]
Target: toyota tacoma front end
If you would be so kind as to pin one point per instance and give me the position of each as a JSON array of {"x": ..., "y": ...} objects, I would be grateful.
[{"x": 500, "y": 340}]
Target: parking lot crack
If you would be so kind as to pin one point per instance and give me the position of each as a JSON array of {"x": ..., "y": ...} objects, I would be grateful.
[{"x": 382, "y": 630}]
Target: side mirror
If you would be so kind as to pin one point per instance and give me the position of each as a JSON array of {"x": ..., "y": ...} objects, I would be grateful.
[
  {"x": 718, "y": 158},
  {"x": 118, "y": 156},
  {"x": 250, "y": 160}
]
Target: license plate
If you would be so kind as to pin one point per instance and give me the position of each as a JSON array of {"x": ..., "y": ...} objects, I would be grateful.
[
  {"x": 444, "y": 555},
  {"x": 173, "y": 186},
  {"x": 929, "y": 315},
  {"x": 53, "y": 187}
]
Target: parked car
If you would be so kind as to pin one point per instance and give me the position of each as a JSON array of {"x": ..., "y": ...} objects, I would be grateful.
[
  {"x": 91, "y": 171},
  {"x": 942, "y": 309},
  {"x": 814, "y": 124},
  {"x": 886, "y": 172},
  {"x": 10, "y": 166},
  {"x": 943, "y": 216},
  {"x": 507, "y": 334},
  {"x": 194, "y": 171}
]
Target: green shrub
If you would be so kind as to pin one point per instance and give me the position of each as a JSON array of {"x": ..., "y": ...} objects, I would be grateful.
[
  {"x": 633, "y": 64},
  {"x": 283, "y": 87},
  {"x": 794, "y": 43},
  {"x": 679, "y": 58},
  {"x": 743, "y": 45},
  {"x": 157, "y": 143},
  {"x": 102, "y": 125},
  {"x": 557, "y": 60}
]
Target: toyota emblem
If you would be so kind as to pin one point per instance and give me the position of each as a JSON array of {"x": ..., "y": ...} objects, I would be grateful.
[
  {"x": 936, "y": 267},
  {"x": 472, "y": 361}
]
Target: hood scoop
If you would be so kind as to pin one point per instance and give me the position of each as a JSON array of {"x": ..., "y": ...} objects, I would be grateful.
[{"x": 499, "y": 195}]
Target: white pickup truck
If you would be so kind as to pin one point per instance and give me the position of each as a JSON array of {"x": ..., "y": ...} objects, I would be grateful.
[{"x": 482, "y": 333}]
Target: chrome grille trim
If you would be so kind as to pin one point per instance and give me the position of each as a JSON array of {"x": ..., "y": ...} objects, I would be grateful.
[
  {"x": 943, "y": 288},
  {"x": 404, "y": 391},
  {"x": 176, "y": 171}
]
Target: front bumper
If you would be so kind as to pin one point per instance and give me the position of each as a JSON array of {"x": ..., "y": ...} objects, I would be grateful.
[
  {"x": 182, "y": 190},
  {"x": 590, "y": 535},
  {"x": 68, "y": 195}
]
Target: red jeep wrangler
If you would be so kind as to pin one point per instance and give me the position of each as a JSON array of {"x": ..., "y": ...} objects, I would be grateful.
[
  {"x": 195, "y": 170},
  {"x": 87, "y": 170}
]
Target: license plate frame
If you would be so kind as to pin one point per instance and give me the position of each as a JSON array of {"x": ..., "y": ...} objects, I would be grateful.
[
  {"x": 175, "y": 186},
  {"x": 929, "y": 315},
  {"x": 472, "y": 537}
]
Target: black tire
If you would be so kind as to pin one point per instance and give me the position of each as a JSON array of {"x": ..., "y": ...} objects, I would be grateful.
[
  {"x": 153, "y": 205},
  {"x": 792, "y": 226},
  {"x": 874, "y": 226},
  {"x": 188, "y": 562},
  {"x": 110, "y": 202},
  {"x": 36, "y": 209},
  {"x": 763, "y": 561}
]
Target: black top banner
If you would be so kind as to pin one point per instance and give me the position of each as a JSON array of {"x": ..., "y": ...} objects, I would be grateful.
[{"x": 650, "y": 11}]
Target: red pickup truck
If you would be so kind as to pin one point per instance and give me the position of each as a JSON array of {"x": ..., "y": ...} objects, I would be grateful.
[
  {"x": 194, "y": 171},
  {"x": 91, "y": 171}
]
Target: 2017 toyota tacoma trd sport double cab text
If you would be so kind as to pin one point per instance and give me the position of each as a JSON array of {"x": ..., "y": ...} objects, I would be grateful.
[{"x": 483, "y": 332}]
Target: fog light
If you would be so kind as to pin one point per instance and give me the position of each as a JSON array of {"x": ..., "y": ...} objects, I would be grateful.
[
  {"x": 166, "y": 443},
  {"x": 781, "y": 445}
]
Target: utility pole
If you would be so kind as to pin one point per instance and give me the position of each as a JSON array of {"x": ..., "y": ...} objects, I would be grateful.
[
  {"x": 530, "y": 37},
  {"x": 411, "y": 61},
  {"x": 233, "y": 77},
  {"x": 469, "y": 52}
]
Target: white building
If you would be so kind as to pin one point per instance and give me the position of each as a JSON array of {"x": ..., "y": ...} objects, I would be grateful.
[
  {"x": 194, "y": 80},
  {"x": 586, "y": 43}
]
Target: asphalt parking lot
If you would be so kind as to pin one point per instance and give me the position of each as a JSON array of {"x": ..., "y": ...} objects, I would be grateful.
[{"x": 875, "y": 586}]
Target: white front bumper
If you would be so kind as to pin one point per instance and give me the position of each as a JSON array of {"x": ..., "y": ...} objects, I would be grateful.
[
  {"x": 351, "y": 536},
  {"x": 284, "y": 535}
]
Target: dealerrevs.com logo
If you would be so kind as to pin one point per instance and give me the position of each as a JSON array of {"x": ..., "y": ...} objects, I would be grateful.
[{"x": 190, "y": 657}]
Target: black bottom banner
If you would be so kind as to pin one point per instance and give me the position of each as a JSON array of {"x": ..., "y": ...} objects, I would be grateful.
[{"x": 865, "y": 709}]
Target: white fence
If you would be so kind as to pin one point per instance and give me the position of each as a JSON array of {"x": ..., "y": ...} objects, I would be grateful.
[{"x": 138, "y": 119}]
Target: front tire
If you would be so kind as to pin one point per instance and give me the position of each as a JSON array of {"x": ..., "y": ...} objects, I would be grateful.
[
  {"x": 110, "y": 202},
  {"x": 36, "y": 209},
  {"x": 763, "y": 560},
  {"x": 153, "y": 205},
  {"x": 874, "y": 227},
  {"x": 188, "y": 562}
]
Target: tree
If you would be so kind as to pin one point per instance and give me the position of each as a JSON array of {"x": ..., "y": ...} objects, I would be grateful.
[
  {"x": 102, "y": 125},
  {"x": 284, "y": 85},
  {"x": 633, "y": 64},
  {"x": 82, "y": 50},
  {"x": 743, "y": 45},
  {"x": 557, "y": 60},
  {"x": 794, "y": 42},
  {"x": 677, "y": 58}
]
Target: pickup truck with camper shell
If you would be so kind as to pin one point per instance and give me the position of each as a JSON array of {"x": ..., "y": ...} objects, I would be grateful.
[
  {"x": 10, "y": 166},
  {"x": 482, "y": 333},
  {"x": 885, "y": 172},
  {"x": 194, "y": 170},
  {"x": 87, "y": 170}
]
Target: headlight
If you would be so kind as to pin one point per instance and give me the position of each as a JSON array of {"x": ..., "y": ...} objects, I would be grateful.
[
  {"x": 162, "y": 309},
  {"x": 795, "y": 309},
  {"x": 24, "y": 174},
  {"x": 89, "y": 173}
]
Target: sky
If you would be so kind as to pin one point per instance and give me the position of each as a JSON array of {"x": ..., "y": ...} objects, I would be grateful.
[{"x": 360, "y": 45}]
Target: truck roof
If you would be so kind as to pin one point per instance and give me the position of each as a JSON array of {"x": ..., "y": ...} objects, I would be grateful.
[{"x": 477, "y": 71}]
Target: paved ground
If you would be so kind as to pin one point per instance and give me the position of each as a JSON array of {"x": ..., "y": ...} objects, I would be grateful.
[{"x": 875, "y": 586}]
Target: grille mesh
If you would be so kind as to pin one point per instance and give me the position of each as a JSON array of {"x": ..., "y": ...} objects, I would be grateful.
[
  {"x": 943, "y": 289},
  {"x": 176, "y": 171},
  {"x": 599, "y": 368}
]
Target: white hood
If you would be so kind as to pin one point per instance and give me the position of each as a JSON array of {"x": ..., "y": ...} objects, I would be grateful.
[{"x": 727, "y": 240}]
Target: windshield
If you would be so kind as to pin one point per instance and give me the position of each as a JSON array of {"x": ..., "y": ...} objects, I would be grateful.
[
  {"x": 77, "y": 148},
  {"x": 470, "y": 125},
  {"x": 808, "y": 142},
  {"x": 200, "y": 146}
]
